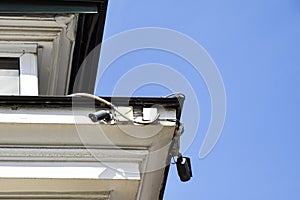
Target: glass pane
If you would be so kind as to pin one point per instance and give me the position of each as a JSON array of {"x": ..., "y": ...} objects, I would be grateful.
[{"x": 9, "y": 63}]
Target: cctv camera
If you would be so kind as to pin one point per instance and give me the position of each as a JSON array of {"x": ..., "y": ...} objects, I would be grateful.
[
  {"x": 184, "y": 168},
  {"x": 101, "y": 115}
]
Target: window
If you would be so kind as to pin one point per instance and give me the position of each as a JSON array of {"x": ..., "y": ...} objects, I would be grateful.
[
  {"x": 18, "y": 69},
  {"x": 44, "y": 44}
]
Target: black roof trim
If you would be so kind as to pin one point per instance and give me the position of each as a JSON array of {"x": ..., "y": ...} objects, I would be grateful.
[
  {"x": 95, "y": 1},
  {"x": 44, "y": 7},
  {"x": 63, "y": 101},
  {"x": 51, "y": 1},
  {"x": 90, "y": 31}
]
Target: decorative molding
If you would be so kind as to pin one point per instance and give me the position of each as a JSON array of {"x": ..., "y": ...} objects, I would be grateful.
[
  {"x": 71, "y": 154},
  {"x": 21, "y": 48},
  {"x": 70, "y": 163},
  {"x": 92, "y": 195}
]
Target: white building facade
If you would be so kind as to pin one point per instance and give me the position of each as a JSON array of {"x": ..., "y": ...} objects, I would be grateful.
[{"x": 50, "y": 148}]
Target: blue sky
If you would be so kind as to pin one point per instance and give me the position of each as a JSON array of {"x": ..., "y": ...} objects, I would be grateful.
[{"x": 256, "y": 46}]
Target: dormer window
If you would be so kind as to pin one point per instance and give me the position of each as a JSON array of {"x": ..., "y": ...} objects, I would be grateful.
[
  {"x": 62, "y": 33},
  {"x": 44, "y": 45}
]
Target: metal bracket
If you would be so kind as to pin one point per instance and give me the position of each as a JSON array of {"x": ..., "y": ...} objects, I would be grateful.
[{"x": 174, "y": 151}]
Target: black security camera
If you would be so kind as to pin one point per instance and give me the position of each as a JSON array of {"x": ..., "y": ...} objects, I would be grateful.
[
  {"x": 101, "y": 115},
  {"x": 184, "y": 168}
]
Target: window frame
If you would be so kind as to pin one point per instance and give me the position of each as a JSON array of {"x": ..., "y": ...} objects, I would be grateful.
[{"x": 28, "y": 73}]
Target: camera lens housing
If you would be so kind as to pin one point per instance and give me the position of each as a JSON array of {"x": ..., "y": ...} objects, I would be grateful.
[{"x": 101, "y": 115}]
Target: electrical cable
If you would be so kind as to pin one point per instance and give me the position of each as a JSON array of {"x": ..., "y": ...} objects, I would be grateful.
[{"x": 175, "y": 94}]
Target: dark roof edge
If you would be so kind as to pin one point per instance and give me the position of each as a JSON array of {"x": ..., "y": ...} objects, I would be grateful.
[
  {"x": 67, "y": 100},
  {"x": 90, "y": 30},
  {"x": 64, "y": 101},
  {"x": 164, "y": 184},
  {"x": 55, "y": 1}
]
